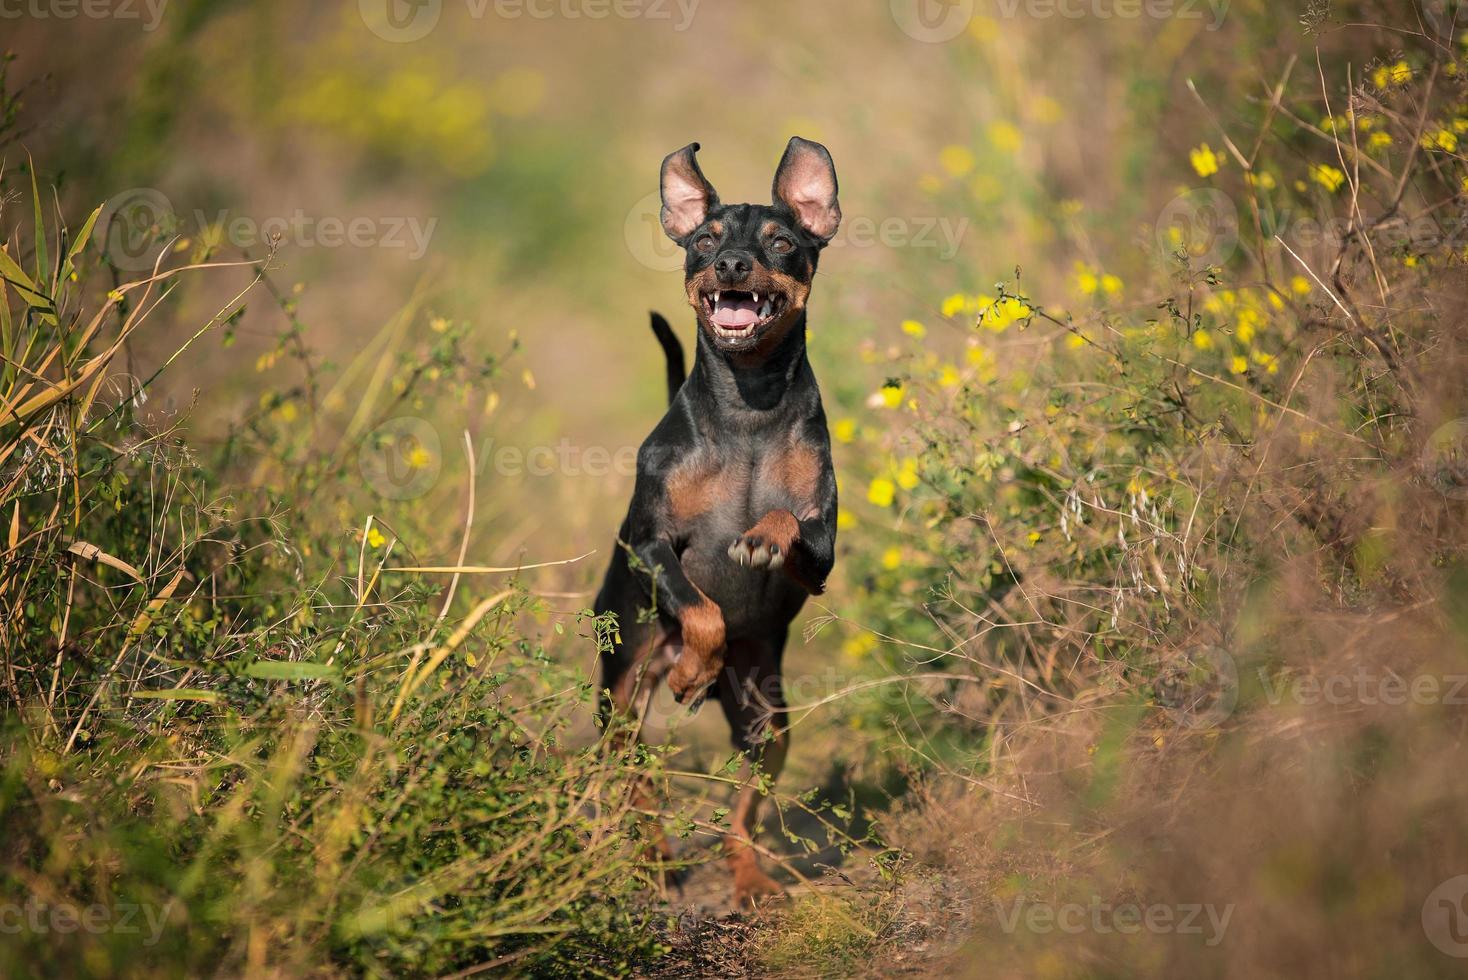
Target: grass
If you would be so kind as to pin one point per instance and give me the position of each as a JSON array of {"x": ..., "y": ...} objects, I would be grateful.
[{"x": 1150, "y": 605}]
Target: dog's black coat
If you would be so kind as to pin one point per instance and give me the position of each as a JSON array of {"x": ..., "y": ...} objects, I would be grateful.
[{"x": 744, "y": 436}]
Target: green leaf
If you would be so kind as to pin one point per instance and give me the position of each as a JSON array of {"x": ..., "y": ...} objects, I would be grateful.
[
  {"x": 41, "y": 256},
  {"x": 83, "y": 236},
  {"x": 12, "y": 273},
  {"x": 291, "y": 670},
  {"x": 180, "y": 694}
]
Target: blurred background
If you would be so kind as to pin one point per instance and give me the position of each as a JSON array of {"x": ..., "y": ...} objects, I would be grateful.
[{"x": 1056, "y": 337}]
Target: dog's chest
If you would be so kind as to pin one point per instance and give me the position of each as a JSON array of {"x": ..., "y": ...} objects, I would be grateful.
[{"x": 716, "y": 495}]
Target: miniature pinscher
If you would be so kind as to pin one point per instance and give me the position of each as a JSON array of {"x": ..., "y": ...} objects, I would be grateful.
[{"x": 733, "y": 516}]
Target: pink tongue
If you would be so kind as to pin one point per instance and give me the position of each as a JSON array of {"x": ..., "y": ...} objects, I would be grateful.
[{"x": 735, "y": 312}]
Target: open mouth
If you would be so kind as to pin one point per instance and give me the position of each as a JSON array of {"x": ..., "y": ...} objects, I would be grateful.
[{"x": 736, "y": 314}]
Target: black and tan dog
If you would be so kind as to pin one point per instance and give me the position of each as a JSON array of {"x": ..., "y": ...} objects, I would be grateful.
[{"x": 733, "y": 518}]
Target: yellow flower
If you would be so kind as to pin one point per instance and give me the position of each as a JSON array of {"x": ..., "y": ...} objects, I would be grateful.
[
  {"x": 1379, "y": 141},
  {"x": 1397, "y": 74},
  {"x": 438, "y": 324},
  {"x": 882, "y": 492},
  {"x": 845, "y": 519},
  {"x": 1110, "y": 285},
  {"x": 1033, "y": 538},
  {"x": 891, "y": 558},
  {"x": 1086, "y": 280},
  {"x": 1075, "y": 340},
  {"x": 914, "y": 329},
  {"x": 999, "y": 316},
  {"x": 1249, "y": 321},
  {"x": 1327, "y": 176},
  {"x": 1262, "y": 179},
  {"x": 954, "y": 304},
  {"x": 1238, "y": 364},
  {"x": 948, "y": 376},
  {"x": 891, "y": 395},
  {"x": 1047, "y": 110},
  {"x": 983, "y": 28},
  {"x": 957, "y": 160},
  {"x": 1203, "y": 340},
  {"x": 1443, "y": 139},
  {"x": 418, "y": 458},
  {"x": 1005, "y": 136},
  {"x": 986, "y": 188},
  {"x": 1205, "y": 161},
  {"x": 1268, "y": 362},
  {"x": 907, "y": 474},
  {"x": 375, "y": 538},
  {"x": 1300, "y": 286},
  {"x": 859, "y": 645},
  {"x": 844, "y": 430}
]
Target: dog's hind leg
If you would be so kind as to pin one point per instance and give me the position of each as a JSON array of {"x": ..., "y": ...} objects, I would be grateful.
[{"x": 753, "y": 699}]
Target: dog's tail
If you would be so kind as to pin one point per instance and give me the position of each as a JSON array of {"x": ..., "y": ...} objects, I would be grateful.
[{"x": 673, "y": 351}]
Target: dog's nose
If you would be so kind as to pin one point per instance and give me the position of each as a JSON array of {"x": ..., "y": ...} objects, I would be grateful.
[{"x": 733, "y": 267}]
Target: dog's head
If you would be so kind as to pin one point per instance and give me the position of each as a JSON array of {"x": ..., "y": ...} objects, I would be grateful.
[{"x": 748, "y": 267}]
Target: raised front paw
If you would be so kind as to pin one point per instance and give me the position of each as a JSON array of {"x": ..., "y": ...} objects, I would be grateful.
[
  {"x": 768, "y": 543},
  {"x": 691, "y": 676},
  {"x": 702, "y": 655}
]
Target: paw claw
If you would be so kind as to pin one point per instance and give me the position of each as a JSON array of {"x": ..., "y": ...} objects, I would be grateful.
[{"x": 755, "y": 551}]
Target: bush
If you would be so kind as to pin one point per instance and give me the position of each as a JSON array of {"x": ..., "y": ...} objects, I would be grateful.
[{"x": 239, "y": 740}]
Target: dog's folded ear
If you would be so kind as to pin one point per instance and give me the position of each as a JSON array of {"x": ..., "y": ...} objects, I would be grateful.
[
  {"x": 806, "y": 184},
  {"x": 687, "y": 195}
]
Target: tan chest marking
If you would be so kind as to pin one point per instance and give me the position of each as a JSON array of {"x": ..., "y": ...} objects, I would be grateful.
[
  {"x": 797, "y": 471},
  {"x": 699, "y": 486}
]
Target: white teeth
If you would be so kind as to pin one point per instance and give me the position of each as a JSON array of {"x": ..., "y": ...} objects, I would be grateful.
[
  {"x": 716, "y": 297},
  {"x": 756, "y": 298},
  {"x": 764, "y": 311}
]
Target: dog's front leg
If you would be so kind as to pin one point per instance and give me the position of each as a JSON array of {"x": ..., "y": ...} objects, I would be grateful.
[{"x": 699, "y": 619}]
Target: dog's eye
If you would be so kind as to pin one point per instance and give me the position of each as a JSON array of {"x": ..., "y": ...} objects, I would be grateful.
[
  {"x": 782, "y": 245},
  {"x": 704, "y": 243}
]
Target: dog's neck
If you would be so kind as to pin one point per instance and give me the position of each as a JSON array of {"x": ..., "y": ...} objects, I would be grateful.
[{"x": 751, "y": 381}]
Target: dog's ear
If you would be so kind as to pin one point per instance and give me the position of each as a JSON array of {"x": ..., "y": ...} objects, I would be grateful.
[
  {"x": 806, "y": 184},
  {"x": 687, "y": 195}
]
